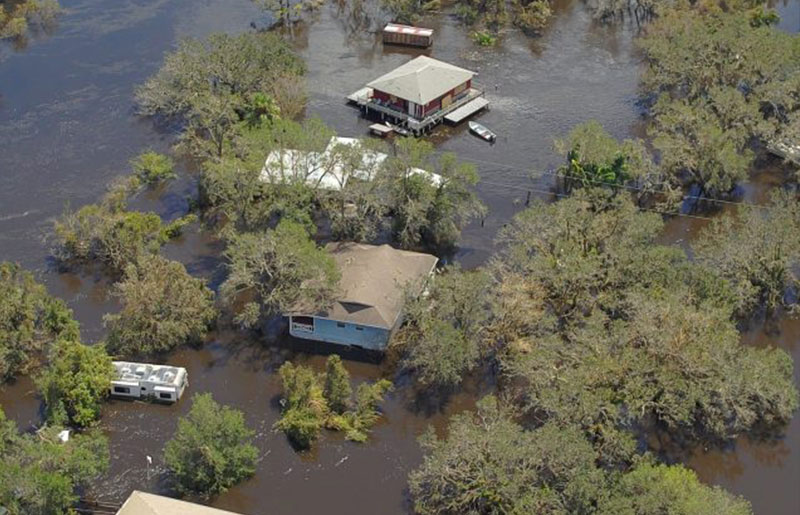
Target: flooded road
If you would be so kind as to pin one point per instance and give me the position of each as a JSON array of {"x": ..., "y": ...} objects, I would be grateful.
[{"x": 67, "y": 127}]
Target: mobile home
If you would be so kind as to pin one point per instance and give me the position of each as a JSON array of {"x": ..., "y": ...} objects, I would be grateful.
[{"x": 142, "y": 380}]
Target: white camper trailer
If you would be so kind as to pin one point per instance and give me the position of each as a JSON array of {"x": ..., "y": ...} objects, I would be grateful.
[{"x": 141, "y": 380}]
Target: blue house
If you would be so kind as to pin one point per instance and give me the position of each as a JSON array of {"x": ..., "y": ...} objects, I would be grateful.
[{"x": 373, "y": 287}]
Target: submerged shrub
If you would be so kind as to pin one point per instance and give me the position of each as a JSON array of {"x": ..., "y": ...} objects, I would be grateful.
[
  {"x": 212, "y": 449},
  {"x": 30, "y": 320}
]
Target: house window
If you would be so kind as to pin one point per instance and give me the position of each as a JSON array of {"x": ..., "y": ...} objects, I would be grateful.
[
  {"x": 165, "y": 395},
  {"x": 303, "y": 324},
  {"x": 359, "y": 328},
  {"x": 122, "y": 389},
  {"x": 339, "y": 324}
]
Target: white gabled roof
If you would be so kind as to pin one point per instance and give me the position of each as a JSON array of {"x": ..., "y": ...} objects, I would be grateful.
[
  {"x": 321, "y": 169},
  {"x": 421, "y": 80}
]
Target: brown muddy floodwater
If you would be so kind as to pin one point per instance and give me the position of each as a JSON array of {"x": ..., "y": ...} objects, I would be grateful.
[{"x": 67, "y": 128}]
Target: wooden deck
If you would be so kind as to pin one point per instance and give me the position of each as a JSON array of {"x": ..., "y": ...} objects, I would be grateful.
[
  {"x": 467, "y": 110},
  {"x": 360, "y": 97},
  {"x": 404, "y": 120}
]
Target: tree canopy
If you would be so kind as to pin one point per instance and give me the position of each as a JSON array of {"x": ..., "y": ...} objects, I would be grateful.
[
  {"x": 757, "y": 250},
  {"x": 40, "y": 473},
  {"x": 723, "y": 77},
  {"x": 314, "y": 401},
  {"x": 490, "y": 464},
  {"x": 443, "y": 331},
  {"x": 605, "y": 329},
  {"x": 75, "y": 382},
  {"x": 213, "y": 85},
  {"x": 109, "y": 234},
  {"x": 163, "y": 307},
  {"x": 278, "y": 270},
  {"x": 17, "y": 18},
  {"x": 30, "y": 321},
  {"x": 212, "y": 449}
]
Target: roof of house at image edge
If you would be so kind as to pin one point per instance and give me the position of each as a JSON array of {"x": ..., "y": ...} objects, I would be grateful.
[
  {"x": 321, "y": 169},
  {"x": 143, "y": 503},
  {"x": 421, "y": 80},
  {"x": 373, "y": 283}
]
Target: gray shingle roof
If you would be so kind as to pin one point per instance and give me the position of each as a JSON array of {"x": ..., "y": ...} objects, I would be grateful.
[
  {"x": 374, "y": 281},
  {"x": 421, "y": 80}
]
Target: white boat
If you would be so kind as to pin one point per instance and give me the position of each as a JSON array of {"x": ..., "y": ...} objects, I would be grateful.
[{"x": 482, "y": 131}]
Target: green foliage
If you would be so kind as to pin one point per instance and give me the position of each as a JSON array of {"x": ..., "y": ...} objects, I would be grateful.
[
  {"x": 531, "y": 15},
  {"x": 653, "y": 489},
  {"x": 18, "y": 17},
  {"x": 75, "y": 382},
  {"x": 305, "y": 409},
  {"x": 212, "y": 449},
  {"x": 110, "y": 234},
  {"x": 337, "y": 390},
  {"x": 489, "y": 464},
  {"x": 151, "y": 167},
  {"x": 289, "y": 12},
  {"x": 368, "y": 398},
  {"x": 425, "y": 212},
  {"x": 235, "y": 195},
  {"x": 410, "y": 11},
  {"x": 757, "y": 250},
  {"x": 724, "y": 80},
  {"x": 163, "y": 307},
  {"x": 314, "y": 401},
  {"x": 30, "y": 319},
  {"x": 279, "y": 270},
  {"x": 595, "y": 159},
  {"x": 40, "y": 474},
  {"x": 696, "y": 149},
  {"x": 604, "y": 329},
  {"x": 443, "y": 329},
  {"x": 213, "y": 85},
  {"x": 484, "y": 38}
]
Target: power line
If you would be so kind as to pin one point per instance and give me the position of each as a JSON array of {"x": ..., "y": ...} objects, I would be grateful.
[
  {"x": 564, "y": 195},
  {"x": 556, "y": 173}
]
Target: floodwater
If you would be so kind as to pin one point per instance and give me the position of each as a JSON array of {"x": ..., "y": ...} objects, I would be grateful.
[{"x": 67, "y": 128}]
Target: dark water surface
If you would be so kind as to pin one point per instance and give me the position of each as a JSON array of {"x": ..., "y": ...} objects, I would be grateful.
[{"x": 67, "y": 128}]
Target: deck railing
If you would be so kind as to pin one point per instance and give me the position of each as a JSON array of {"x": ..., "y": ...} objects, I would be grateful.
[{"x": 416, "y": 124}]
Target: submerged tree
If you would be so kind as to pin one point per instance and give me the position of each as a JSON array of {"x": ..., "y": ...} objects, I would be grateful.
[
  {"x": 162, "y": 307},
  {"x": 314, "y": 401},
  {"x": 111, "y": 235},
  {"x": 723, "y": 79},
  {"x": 594, "y": 159},
  {"x": 151, "y": 167},
  {"x": 757, "y": 251},
  {"x": 41, "y": 474},
  {"x": 276, "y": 271},
  {"x": 18, "y": 17},
  {"x": 211, "y": 86},
  {"x": 603, "y": 328},
  {"x": 212, "y": 449},
  {"x": 443, "y": 330},
  {"x": 428, "y": 211},
  {"x": 30, "y": 321},
  {"x": 489, "y": 464},
  {"x": 75, "y": 382}
]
